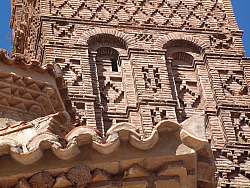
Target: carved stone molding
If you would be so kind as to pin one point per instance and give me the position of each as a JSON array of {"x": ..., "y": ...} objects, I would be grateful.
[
  {"x": 79, "y": 176},
  {"x": 122, "y": 133},
  {"x": 23, "y": 184},
  {"x": 42, "y": 180}
]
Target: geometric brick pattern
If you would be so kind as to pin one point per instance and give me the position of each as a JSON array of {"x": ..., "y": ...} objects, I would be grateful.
[
  {"x": 151, "y": 78},
  {"x": 175, "y": 58},
  {"x": 181, "y": 14},
  {"x": 241, "y": 126},
  {"x": 233, "y": 83}
]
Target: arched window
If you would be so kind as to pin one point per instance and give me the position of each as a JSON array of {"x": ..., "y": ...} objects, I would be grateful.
[
  {"x": 109, "y": 56},
  {"x": 183, "y": 59},
  {"x": 114, "y": 64},
  {"x": 106, "y": 40},
  {"x": 107, "y": 79},
  {"x": 182, "y": 45},
  {"x": 183, "y": 55}
]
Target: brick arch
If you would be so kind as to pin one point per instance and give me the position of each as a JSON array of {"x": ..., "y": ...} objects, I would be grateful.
[
  {"x": 162, "y": 41},
  {"x": 123, "y": 37}
]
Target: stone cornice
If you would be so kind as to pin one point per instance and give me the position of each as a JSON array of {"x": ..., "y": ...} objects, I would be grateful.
[{"x": 81, "y": 136}]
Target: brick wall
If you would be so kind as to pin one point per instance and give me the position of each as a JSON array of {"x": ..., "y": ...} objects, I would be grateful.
[{"x": 176, "y": 59}]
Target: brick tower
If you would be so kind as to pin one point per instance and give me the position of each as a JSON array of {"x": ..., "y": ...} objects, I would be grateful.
[{"x": 136, "y": 65}]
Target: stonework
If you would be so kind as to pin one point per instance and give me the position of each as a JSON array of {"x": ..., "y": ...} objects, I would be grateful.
[{"x": 124, "y": 94}]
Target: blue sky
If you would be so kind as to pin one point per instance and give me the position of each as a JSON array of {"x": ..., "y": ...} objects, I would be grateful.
[{"x": 241, "y": 9}]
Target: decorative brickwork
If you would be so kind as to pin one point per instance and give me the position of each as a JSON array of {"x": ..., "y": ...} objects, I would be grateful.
[
  {"x": 123, "y": 69},
  {"x": 180, "y": 14}
]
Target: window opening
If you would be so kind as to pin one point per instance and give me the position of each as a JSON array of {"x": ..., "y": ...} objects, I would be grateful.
[
  {"x": 114, "y": 65},
  {"x": 110, "y": 55}
]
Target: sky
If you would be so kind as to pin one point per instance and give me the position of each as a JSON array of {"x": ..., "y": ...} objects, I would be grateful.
[{"x": 241, "y": 9}]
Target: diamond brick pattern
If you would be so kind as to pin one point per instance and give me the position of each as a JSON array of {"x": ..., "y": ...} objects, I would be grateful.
[
  {"x": 189, "y": 13},
  {"x": 234, "y": 83},
  {"x": 142, "y": 62}
]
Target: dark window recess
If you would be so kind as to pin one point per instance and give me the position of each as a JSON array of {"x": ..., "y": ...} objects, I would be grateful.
[
  {"x": 109, "y": 55},
  {"x": 59, "y": 60},
  {"x": 79, "y": 105},
  {"x": 114, "y": 65}
]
